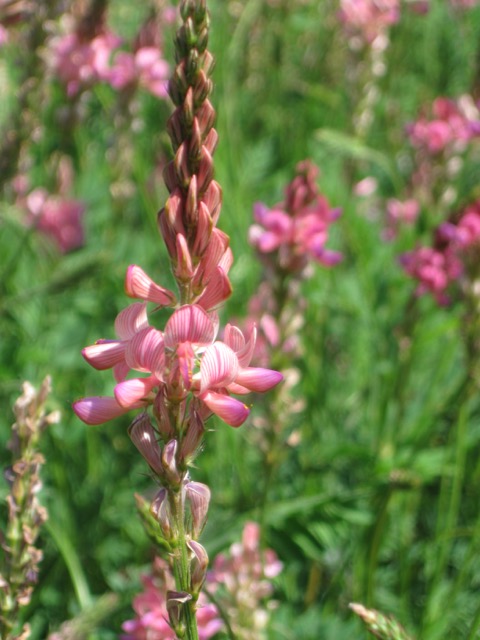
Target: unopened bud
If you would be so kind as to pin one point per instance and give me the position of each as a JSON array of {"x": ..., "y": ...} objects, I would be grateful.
[
  {"x": 160, "y": 510},
  {"x": 191, "y": 205},
  {"x": 199, "y": 565},
  {"x": 198, "y": 495},
  {"x": 170, "y": 463},
  {"x": 176, "y": 601},
  {"x": 143, "y": 436}
]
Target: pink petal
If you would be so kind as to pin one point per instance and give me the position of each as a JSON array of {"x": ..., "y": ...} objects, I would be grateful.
[
  {"x": 218, "y": 368},
  {"x": 104, "y": 354},
  {"x": 130, "y": 320},
  {"x": 258, "y": 379},
  {"x": 130, "y": 392},
  {"x": 218, "y": 289},
  {"x": 190, "y": 323},
  {"x": 230, "y": 410},
  {"x": 98, "y": 409},
  {"x": 146, "y": 352},
  {"x": 139, "y": 285},
  {"x": 244, "y": 349}
]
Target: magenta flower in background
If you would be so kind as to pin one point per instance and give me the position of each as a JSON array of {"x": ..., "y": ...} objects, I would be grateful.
[
  {"x": 80, "y": 63},
  {"x": 455, "y": 244},
  {"x": 57, "y": 217},
  {"x": 297, "y": 229},
  {"x": 450, "y": 126},
  {"x": 144, "y": 68}
]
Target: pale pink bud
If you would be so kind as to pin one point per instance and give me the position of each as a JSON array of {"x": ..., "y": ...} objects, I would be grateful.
[
  {"x": 170, "y": 463},
  {"x": 198, "y": 495},
  {"x": 198, "y": 566},
  {"x": 143, "y": 436},
  {"x": 193, "y": 437},
  {"x": 160, "y": 509},
  {"x": 184, "y": 266}
]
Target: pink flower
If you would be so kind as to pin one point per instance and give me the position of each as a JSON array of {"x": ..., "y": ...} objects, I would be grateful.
[
  {"x": 434, "y": 269},
  {"x": 151, "y": 622},
  {"x": 81, "y": 63},
  {"x": 183, "y": 359},
  {"x": 297, "y": 234},
  {"x": 400, "y": 213},
  {"x": 241, "y": 581},
  {"x": 57, "y": 217},
  {"x": 368, "y": 18},
  {"x": 145, "y": 68}
]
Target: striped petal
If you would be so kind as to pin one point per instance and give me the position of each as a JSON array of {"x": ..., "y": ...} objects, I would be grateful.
[
  {"x": 191, "y": 324},
  {"x": 98, "y": 409},
  {"x": 146, "y": 352},
  {"x": 130, "y": 392},
  {"x": 139, "y": 285},
  {"x": 258, "y": 379},
  {"x": 230, "y": 410},
  {"x": 244, "y": 349},
  {"x": 104, "y": 354},
  {"x": 131, "y": 320},
  {"x": 218, "y": 367},
  {"x": 218, "y": 289}
]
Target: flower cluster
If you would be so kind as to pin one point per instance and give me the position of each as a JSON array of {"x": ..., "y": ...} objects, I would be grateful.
[
  {"x": 438, "y": 267},
  {"x": 451, "y": 125},
  {"x": 57, "y": 216},
  {"x": 368, "y": 18},
  {"x": 83, "y": 57},
  {"x": 297, "y": 228},
  {"x": 150, "y": 607},
  {"x": 241, "y": 580}
]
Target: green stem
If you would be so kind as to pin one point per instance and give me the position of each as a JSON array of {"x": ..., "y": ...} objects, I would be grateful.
[{"x": 181, "y": 564}]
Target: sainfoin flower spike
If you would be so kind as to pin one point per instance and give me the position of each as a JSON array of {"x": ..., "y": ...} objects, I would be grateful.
[{"x": 178, "y": 375}]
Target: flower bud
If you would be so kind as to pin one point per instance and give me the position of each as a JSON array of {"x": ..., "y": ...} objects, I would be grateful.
[
  {"x": 198, "y": 566},
  {"x": 170, "y": 463},
  {"x": 160, "y": 510},
  {"x": 144, "y": 437},
  {"x": 176, "y": 601},
  {"x": 198, "y": 495}
]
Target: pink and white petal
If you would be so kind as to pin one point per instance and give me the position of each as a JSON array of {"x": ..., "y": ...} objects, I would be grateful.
[
  {"x": 98, "y": 409},
  {"x": 244, "y": 349},
  {"x": 237, "y": 389},
  {"x": 131, "y": 320},
  {"x": 258, "y": 379},
  {"x": 146, "y": 352},
  {"x": 218, "y": 289},
  {"x": 230, "y": 410},
  {"x": 218, "y": 367},
  {"x": 139, "y": 285},
  {"x": 121, "y": 371},
  {"x": 190, "y": 323},
  {"x": 130, "y": 392},
  {"x": 104, "y": 354}
]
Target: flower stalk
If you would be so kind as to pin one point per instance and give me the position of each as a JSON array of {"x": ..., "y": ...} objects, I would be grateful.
[
  {"x": 189, "y": 374},
  {"x": 21, "y": 558}
]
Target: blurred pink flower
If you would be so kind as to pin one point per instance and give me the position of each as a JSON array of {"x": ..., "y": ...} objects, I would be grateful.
[
  {"x": 296, "y": 229},
  {"x": 150, "y": 606},
  {"x": 241, "y": 580},
  {"x": 57, "y": 217},
  {"x": 145, "y": 68},
  {"x": 399, "y": 213},
  {"x": 81, "y": 63},
  {"x": 452, "y": 123},
  {"x": 368, "y": 18},
  {"x": 434, "y": 269}
]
